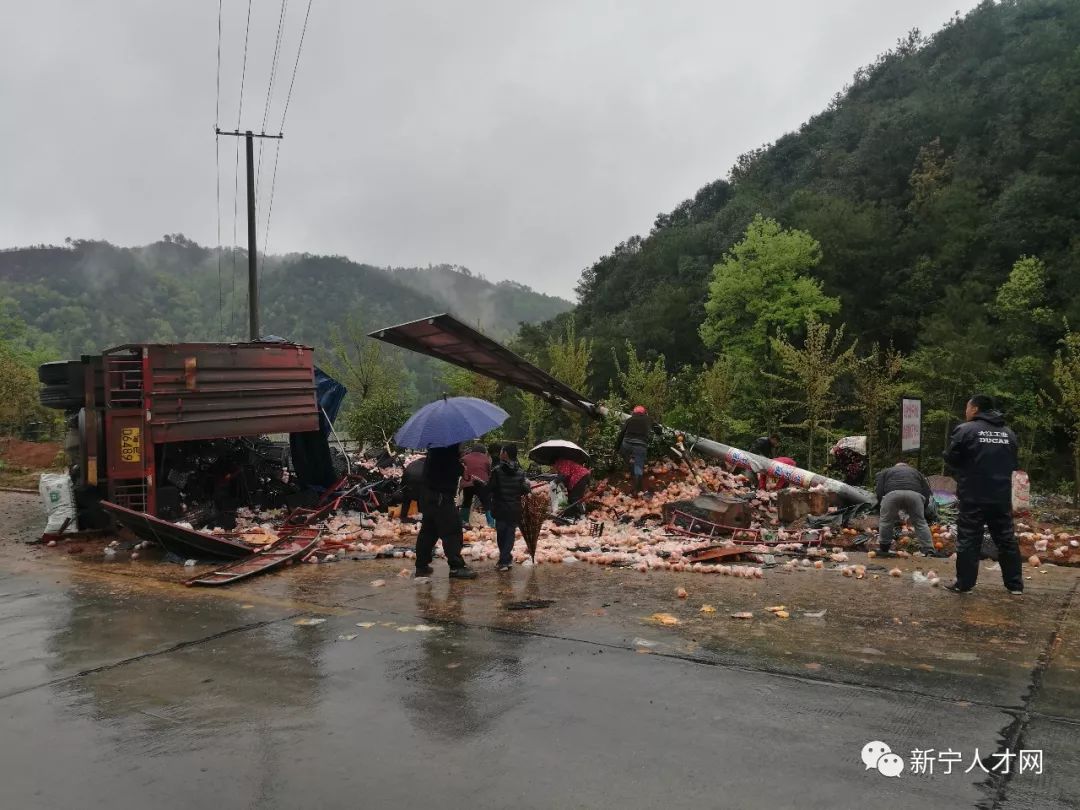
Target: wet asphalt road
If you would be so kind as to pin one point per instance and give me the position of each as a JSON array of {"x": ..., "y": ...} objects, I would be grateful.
[{"x": 121, "y": 689}]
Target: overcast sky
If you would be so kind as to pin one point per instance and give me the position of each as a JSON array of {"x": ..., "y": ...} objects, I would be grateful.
[{"x": 521, "y": 139}]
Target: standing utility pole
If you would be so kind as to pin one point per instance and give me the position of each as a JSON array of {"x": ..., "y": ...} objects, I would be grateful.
[{"x": 253, "y": 274}]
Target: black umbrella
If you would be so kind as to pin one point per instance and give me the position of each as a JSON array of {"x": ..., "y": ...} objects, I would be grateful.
[{"x": 548, "y": 452}]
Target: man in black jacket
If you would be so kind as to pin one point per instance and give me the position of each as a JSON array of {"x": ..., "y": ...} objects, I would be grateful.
[
  {"x": 903, "y": 488},
  {"x": 633, "y": 443},
  {"x": 983, "y": 453},
  {"x": 442, "y": 469},
  {"x": 507, "y": 486},
  {"x": 767, "y": 446}
]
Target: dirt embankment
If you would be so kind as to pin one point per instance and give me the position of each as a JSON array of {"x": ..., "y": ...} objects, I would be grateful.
[{"x": 21, "y": 461}]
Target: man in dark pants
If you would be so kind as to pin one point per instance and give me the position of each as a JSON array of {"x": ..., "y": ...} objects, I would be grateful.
[
  {"x": 903, "y": 488},
  {"x": 983, "y": 453},
  {"x": 442, "y": 469},
  {"x": 633, "y": 443},
  {"x": 508, "y": 485}
]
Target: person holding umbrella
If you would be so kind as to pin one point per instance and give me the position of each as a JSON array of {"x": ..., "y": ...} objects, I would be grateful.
[
  {"x": 568, "y": 460},
  {"x": 440, "y": 428},
  {"x": 441, "y": 521},
  {"x": 577, "y": 479}
]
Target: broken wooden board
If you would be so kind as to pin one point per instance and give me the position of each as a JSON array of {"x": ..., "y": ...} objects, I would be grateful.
[{"x": 715, "y": 553}]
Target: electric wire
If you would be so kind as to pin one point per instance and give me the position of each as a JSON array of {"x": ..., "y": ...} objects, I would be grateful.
[
  {"x": 281, "y": 127},
  {"x": 270, "y": 93}
]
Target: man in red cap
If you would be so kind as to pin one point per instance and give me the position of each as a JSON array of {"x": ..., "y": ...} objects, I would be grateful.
[{"x": 633, "y": 443}]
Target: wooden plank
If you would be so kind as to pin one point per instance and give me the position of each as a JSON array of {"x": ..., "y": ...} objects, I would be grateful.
[
  {"x": 295, "y": 545},
  {"x": 715, "y": 553}
]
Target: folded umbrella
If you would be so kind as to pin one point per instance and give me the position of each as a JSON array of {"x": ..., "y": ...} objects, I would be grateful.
[
  {"x": 450, "y": 420},
  {"x": 535, "y": 508},
  {"x": 550, "y": 451}
]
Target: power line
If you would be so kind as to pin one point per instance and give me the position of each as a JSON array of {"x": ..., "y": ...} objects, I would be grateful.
[
  {"x": 270, "y": 88},
  {"x": 217, "y": 107},
  {"x": 270, "y": 207},
  {"x": 243, "y": 69},
  {"x": 296, "y": 66},
  {"x": 281, "y": 127}
]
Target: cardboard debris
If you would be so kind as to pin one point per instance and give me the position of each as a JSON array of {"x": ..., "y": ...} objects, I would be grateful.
[{"x": 665, "y": 619}]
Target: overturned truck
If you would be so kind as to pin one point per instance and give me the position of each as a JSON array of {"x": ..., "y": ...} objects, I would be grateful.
[
  {"x": 163, "y": 429},
  {"x": 448, "y": 339}
]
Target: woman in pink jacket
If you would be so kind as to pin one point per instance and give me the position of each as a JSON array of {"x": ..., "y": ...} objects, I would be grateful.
[
  {"x": 576, "y": 478},
  {"x": 474, "y": 482}
]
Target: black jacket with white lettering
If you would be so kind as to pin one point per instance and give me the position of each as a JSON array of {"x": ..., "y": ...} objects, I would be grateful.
[{"x": 983, "y": 453}]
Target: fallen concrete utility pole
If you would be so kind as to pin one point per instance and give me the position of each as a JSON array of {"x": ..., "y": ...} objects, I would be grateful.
[
  {"x": 761, "y": 464},
  {"x": 446, "y": 338}
]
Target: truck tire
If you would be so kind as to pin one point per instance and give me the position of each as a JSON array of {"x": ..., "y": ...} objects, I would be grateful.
[
  {"x": 61, "y": 372},
  {"x": 88, "y": 508},
  {"x": 60, "y": 398}
]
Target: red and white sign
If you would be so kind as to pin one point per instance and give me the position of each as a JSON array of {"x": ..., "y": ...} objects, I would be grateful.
[{"x": 910, "y": 424}]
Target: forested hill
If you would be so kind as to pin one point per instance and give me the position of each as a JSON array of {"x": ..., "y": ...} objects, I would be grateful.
[
  {"x": 924, "y": 181},
  {"x": 88, "y": 295}
]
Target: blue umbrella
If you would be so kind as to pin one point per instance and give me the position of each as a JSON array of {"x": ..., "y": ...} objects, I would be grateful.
[{"x": 450, "y": 420}]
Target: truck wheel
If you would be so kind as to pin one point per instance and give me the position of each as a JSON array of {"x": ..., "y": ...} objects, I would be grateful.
[
  {"x": 59, "y": 397},
  {"x": 62, "y": 372},
  {"x": 88, "y": 507}
]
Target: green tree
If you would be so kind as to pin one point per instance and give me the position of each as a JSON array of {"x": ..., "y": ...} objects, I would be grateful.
[
  {"x": 22, "y": 349},
  {"x": 762, "y": 287},
  {"x": 460, "y": 382},
  {"x": 953, "y": 363},
  {"x": 812, "y": 372},
  {"x": 601, "y": 434},
  {"x": 932, "y": 172},
  {"x": 534, "y": 411},
  {"x": 362, "y": 364},
  {"x": 1021, "y": 305},
  {"x": 376, "y": 405},
  {"x": 1067, "y": 382},
  {"x": 876, "y": 390},
  {"x": 21, "y": 414},
  {"x": 375, "y": 420},
  {"x": 721, "y": 384},
  {"x": 1026, "y": 322},
  {"x": 643, "y": 382},
  {"x": 570, "y": 358}
]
